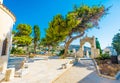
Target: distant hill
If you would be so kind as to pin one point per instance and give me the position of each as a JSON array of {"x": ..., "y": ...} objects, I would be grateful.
[{"x": 71, "y": 47}]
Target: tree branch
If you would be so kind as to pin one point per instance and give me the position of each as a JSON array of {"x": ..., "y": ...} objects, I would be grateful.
[{"x": 78, "y": 36}]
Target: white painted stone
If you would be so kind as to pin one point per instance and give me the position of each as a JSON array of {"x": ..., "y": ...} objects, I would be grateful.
[{"x": 12, "y": 73}]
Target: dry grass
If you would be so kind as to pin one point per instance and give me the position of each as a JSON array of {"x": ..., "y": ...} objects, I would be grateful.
[{"x": 107, "y": 68}]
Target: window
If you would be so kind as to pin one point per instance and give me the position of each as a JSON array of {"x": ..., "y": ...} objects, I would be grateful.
[{"x": 4, "y": 47}]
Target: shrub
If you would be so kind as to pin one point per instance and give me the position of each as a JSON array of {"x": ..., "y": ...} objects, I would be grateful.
[
  {"x": 31, "y": 55},
  {"x": 71, "y": 51},
  {"x": 62, "y": 57},
  {"x": 13, "y": 50},
  {"x": 61, "y": 52},
  {"x": 17, "y": 51},
  {"x": 104, "y": 56}
]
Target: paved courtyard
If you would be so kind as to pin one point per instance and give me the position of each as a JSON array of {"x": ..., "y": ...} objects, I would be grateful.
[
  {"x": 83, "y": 72},
  {"x": 42, "y": 71},
  {"x": 49, "y": 71}
]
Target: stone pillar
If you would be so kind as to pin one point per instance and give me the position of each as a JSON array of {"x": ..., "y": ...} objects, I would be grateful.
[
  {"x": 81, "y": 53},
  {"x": 97, "y": 53},
  {"x": 92, "y": 53},
  {"x": 12, "y": 73},
  {"x": 87, "y": 54}
]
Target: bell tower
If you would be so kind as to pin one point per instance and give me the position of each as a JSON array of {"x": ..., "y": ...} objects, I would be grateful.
[{"x": 1, "y": 1}]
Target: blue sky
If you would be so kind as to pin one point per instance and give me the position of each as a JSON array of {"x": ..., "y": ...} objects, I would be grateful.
[{"x": 41, "y": 12}]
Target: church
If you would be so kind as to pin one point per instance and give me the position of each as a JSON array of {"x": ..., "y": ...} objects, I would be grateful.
[{"x": 7, "y": 20}]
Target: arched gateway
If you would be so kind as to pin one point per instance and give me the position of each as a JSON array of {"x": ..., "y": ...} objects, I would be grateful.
[{"x": 94, "y": 51}]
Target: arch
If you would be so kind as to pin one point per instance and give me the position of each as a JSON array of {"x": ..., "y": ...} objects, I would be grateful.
[
  {"x": 94, "y": 51},
  {"x": 87, "y": 44},
  {"x": 87, "y": 49}
]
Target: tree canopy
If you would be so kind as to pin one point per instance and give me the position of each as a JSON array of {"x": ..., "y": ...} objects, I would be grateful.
[
  {"x": 36, "y": 36},
  {"x": 98, "y": 45},
  {"x": 74, "y": 24},
  {"x": 22, "y": 36},
  {"x": 116, "y": 43}
]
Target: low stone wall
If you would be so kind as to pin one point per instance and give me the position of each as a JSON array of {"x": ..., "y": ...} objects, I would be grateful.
[{"x": 105, "y": 76}]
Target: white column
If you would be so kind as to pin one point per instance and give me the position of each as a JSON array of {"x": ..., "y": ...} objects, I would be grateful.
[{"x": 87, "y": 54}]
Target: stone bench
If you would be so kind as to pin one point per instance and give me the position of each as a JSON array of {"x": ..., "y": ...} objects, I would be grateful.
[
  {"x": 23, "y": 70},
  {"x": 64, "y": 66}
]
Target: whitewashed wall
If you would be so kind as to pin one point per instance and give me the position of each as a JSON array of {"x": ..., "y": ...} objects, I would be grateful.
[{"x": 6, "y": 24}]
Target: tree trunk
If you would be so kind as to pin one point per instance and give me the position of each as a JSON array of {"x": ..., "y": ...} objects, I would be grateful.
[
  {"x": 34, "y": 48},
  {"x": 27, "y": 49},
  {"x": 66, "y": 48},
  {"x": 69, "y": 42}
]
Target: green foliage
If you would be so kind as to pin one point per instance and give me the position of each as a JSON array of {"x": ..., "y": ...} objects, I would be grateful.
[
  {"x": 22, "y": 36},
  {"x": 116, "y": 43},
  {"x": 13, "y": 32},
  {"x": 104, "y": 56},
  {"x": 36, "y": 38},
  {"x": 43, "y": 42},
  {"x": 74, "y": 25},
  {"x": 61, "y": 52},
  {"x": 71, "y": 51},
  {"x": 62, "y": 57},
  {"x": 87, "y": 17},
  {"x": 56, "y": 31},
  {"x": 98, "y": 45},
  {"x": 31, "y": 56},
  {"x": 17, "y": 51},
  {"x": 23, "y": 40},
  {"x": 36, "y": 33},
  {"x": 24, "y": 30}
]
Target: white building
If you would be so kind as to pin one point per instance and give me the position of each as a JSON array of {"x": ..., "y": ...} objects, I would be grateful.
[
  {"x": 7, "y": 20},
  {"x": 110, "y": 50}
]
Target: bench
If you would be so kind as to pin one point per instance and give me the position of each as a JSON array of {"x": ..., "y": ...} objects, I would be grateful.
[
  {"x": 23, "y": 70},
  {"x": 64, "y": 66}
]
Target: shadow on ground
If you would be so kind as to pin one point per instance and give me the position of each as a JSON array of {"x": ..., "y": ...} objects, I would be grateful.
[{"x": 94, "y": 78}]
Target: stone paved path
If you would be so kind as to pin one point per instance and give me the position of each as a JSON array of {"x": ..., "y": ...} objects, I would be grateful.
[{"x": 83, "y": 72}]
